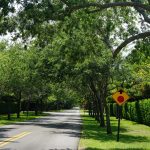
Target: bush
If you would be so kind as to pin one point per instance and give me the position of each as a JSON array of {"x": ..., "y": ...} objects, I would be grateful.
[
  {"x": 138, "y": 111},
  {"x": 145, "y": 111}
]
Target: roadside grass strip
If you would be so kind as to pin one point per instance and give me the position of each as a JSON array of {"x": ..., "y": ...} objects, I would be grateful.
[
  {"x": 13, "y": 138},
  {"x": 23, "y": 117},
  {"x": 132, "y": 135}
]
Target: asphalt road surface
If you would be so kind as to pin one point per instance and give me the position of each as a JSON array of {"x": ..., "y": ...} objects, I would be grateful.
[{"x": 57, "y": 131}]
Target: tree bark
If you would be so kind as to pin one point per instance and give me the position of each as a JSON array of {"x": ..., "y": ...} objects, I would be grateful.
[
  {"x": 89, "y": 108},
  {"x": 97, "y": 110},
  {"x": 9, "y": 110},
  {"x": 129, "y": 40},
  {"x": 36, "y": 107},
  {"x": 28, "y": 104},
  {"x": 92, "y": 110},
  {"x": 108, "y": 5},
  {"x": 100, "y": 104},
  {"x": 41, "y": 105},
  {"x": 142, "y": 12},
  {"x": 109, "y": 130},
  {"x": 18, "y": 104},
  {"x": 103, "y": 89}
]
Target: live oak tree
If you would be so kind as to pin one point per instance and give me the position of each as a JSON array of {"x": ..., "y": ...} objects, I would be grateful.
[{"x": 104, "y": 30}]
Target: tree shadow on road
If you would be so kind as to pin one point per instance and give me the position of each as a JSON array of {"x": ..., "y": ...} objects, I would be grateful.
[
  {"x": 3, "y": 130},
  {"x": 71, "y": 129}
]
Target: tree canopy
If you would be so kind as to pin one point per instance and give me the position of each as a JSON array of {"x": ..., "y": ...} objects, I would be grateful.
[{"x": 70, "y": 52}]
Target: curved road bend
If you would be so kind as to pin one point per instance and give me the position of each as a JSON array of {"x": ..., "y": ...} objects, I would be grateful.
[{"x": 57, "y": 131}]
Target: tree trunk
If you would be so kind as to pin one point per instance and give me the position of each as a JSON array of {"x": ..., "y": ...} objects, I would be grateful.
[
  {"x": 89, "y": 108},
  {"x": 8, "y": 116},
  {"x": 41, "y": 105},
  {"x": 9, "y": 112},
  {"x": 103, "y": 91},
  {"x": 92, "y": 110},
  {"x": 102, "y": 121},
  {"x": 97, "y": 110},
  {"x": 18, "y": 104},
  {"x": 109, "y": 131},
  {"x": 28, "y": 105},
  {"x": 100, "y": 104},
  {"x": 36, "y": 107},
  {"x": 28, "y": 108}
]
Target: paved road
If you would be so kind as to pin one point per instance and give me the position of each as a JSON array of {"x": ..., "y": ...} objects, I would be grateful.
[{"x": 57, "y": 131}]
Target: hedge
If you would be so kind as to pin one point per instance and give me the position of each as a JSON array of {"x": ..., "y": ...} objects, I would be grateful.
[
  {"x": 8, "y": 107},
  {"x": 138, "y": 111}
]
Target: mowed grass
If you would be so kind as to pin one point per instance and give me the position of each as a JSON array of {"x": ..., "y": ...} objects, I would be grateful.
[
  {"x": 14, "y": 119},
  {"x": 133, "y": 136}
]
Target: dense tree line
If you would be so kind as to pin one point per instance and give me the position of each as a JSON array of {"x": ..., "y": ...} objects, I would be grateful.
[{"x": 25, "y": 79}]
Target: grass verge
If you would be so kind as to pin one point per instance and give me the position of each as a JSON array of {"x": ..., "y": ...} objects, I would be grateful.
[
  {"x": 132, "y": 135},
  {"x": 14, "y": 119}
]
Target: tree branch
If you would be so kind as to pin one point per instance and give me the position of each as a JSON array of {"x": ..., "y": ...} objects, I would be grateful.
[
  {"x": 59, "y": 15},
  {"x": 142, "y": 12},
  {"x": 110, "y": 5},
  {"x": 65, "y": 2},
  {"x": 129, "y": 40},
  {"x": 145, "y": 16}
]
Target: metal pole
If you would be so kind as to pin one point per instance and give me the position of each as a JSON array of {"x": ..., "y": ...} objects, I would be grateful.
[{"x": 119, "y": 116}]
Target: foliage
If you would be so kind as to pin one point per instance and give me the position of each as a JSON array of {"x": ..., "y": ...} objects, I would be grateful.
[
  {"x": 32, "y": 72},
  {"x": 12, "y": 76},
  {"x": 62, "y": 97},
  {"x": 137, "y": 111},
  {"x": 132, "y": 72}
]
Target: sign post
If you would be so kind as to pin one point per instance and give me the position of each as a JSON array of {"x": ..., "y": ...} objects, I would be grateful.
[
  {"x": 120, "y": 98},
  {"x": 119, "y": 117}
]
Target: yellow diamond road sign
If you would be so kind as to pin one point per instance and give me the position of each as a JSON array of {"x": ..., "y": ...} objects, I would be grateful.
[{"x": 120, "y": 97}]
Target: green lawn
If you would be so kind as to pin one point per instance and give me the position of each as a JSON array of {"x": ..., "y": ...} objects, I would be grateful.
[
  {"x": 23, "y": 117},
  {"x": 132, "y": 135}
]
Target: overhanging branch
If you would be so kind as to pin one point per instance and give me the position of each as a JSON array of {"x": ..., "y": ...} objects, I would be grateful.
[
  {"x": 110, "y": 5},
  {"x": 129, "y": 40},
  {"x": 142, "y": 12},
  {"x": 65, "y": 2},
  {"x": 59, "y": 15}
]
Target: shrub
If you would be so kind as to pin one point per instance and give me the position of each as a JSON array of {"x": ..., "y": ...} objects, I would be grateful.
[
  {"x": 145, "y": 111},
  {"x": 138, "y": 111}
]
